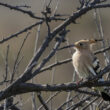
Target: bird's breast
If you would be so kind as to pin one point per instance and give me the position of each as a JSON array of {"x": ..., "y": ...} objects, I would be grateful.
[{"x": 79, "y": 63}]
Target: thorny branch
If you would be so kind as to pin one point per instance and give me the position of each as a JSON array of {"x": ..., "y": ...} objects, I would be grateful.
[{"x": 20, "y": 10}]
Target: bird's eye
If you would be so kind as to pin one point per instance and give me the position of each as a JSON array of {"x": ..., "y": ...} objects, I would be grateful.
[{"x": 80, "y": 44}]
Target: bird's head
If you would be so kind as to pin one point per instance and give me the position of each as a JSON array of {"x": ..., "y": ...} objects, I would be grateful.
[{"x": 85, "y": 44}]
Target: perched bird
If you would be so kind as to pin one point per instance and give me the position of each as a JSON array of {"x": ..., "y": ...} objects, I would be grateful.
[{"x": 86, "y": 63}]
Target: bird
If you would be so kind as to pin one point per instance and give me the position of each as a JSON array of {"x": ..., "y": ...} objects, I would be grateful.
[{"x": 86, "y": 64}]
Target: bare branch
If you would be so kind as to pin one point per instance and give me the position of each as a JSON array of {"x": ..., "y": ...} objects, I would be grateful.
[
  {"x": 102, "y": 6},
  {"x": 84, "y": 108},
  {"x": 87, "y": 92},
  {"x": 20, "y": 32},
  {"x": 42, "y": 101},
  {"x": 102, "y": 50},
  {"x": 73, "y": 107},
  {"x": 71, "y": 99},
  {"x": 55, "y": 64},
  {"x": 17, "y": 57},
  {"x": 49, "y": 99},
  {"x": 30, "y": 13},
  {"x": 28, "y": 87}
]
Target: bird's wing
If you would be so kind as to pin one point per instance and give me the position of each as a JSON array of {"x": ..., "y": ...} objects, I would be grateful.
[{"x": 94, "y": 66}]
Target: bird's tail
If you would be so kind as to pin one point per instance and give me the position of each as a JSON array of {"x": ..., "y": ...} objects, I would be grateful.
[
  {"x": 103, "y": 93},
  {"x": 105, "y": 96}
]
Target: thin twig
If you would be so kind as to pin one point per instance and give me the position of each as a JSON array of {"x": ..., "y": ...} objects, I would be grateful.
[
  {"x": 6, "y": 64},
  {"x": 42, "y": 101},
  {"x": 49, "y": 67},
  {"x": 30, "y": 13},
  {"x": 49, "y": 3},
  {"x": 100, "y": 103},
  {"x": 73, "y": 107},
  {"x": 56, "y": 8},
  {"x": 101, "y": 33},
  {"x": 52, "y": 79},
  {"x": 87, "y": 92},
  {"x": 18, "y": 62},
  {"x": 34, "y": 106},
  {"x": 17, "y": 57},
  {"x": 37, "y": 38},
  {"x": 84, "y": 108},
  {"x": 68, "y": 101},
  {"x": 69, "y": 93},
  {"x": 102, "y": 50},
  {"x": 23, "y": 6},
  {"x": 49, "y": 99},
  {"x": 20, "y": 32}
]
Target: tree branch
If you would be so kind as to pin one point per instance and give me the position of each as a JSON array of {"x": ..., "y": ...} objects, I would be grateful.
[
  {"x": 20, "y": 32},
  {"x": 21, "y": 10}
]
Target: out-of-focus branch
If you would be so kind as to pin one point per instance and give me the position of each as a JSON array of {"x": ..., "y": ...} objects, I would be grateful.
[
  {"x": 101, "y": 33},
  {"x": 6, "y": 64}
]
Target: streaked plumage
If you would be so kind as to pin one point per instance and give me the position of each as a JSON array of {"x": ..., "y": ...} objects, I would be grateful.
[{"x": 86, "y": 63}]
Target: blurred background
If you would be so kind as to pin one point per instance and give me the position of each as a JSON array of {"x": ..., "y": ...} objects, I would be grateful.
[{"x": 12, "y": 21}]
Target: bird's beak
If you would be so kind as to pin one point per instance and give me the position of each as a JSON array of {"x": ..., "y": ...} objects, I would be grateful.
[{"x": 95, "y": 40}]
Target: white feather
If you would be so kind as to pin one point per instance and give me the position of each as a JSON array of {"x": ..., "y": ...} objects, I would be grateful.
[
  {"x": 92, "y": 70},
  {"x": 95, "y": 63}
]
